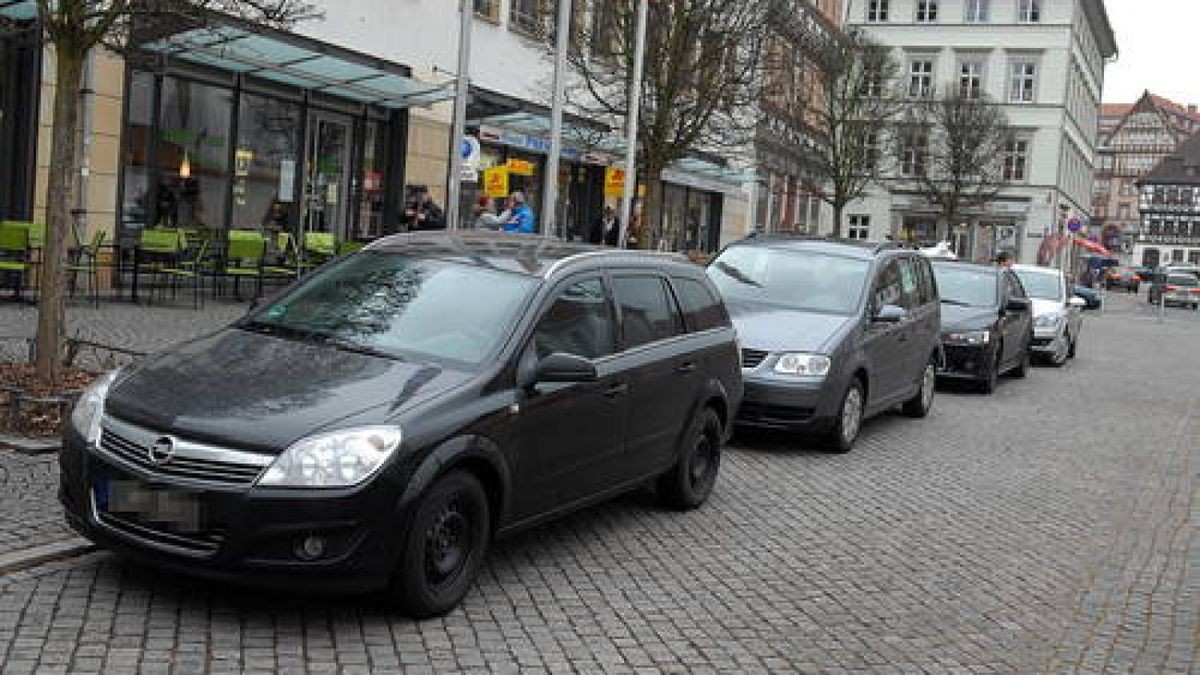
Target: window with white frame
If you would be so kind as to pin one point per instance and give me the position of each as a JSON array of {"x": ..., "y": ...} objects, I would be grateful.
[
  {"x": 970, "y": 78},
  {"x": 927, "y": 11},
  {"x": 920, "y": 77},
  {"x": 1016, "y": 160},
  {"x": 913, "y": 146},
  {"x": 859, "y": 227},
  {"x": 872, "y": 80},
  {"x": 1023, "y": 82},
  {"x": 874, "y": 151},
  {"x": 1029, "y": 11},
  {"x": 977, "y": 11},
  {"x": 877, "y": 11}
]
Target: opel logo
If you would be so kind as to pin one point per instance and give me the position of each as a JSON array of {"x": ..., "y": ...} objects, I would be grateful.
[{"x": 162, "y": 450}]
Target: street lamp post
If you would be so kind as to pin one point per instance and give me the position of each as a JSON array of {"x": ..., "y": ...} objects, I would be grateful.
[
  {"x": 631, "y": 122},
  {"x": 550, "y": 189},
  {"x": 461, "y": 95}
]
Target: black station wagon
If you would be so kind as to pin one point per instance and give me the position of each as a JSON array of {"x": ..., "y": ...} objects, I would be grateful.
[{"x": 376, "y": 424}]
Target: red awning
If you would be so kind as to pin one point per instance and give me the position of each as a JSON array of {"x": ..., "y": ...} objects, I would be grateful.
[{"x": 1092, "y": 246}]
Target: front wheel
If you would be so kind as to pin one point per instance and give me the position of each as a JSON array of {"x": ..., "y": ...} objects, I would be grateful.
[
  {"x": 991, "y": 379},
  {"x": 1071, "y": 349},
  {"x": 918, "y": 406},
  {"x": 688, "y": 484},
  {"x": 444, "y": 547},
  {"x": 849, "y": 419},
  {"x": 1022, "y": 367}
]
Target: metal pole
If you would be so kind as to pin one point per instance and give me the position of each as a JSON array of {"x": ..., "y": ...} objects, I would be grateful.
[
  {"x": 550, "y": 189},
  {"x": 631, "y": 121},
  {"x": 461, "y": 94}
]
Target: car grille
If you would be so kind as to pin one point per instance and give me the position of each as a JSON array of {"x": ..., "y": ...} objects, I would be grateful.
[
  {"x": 773, "y": 414},
  {"x": 751, "y": 358},
  {"x": 200, "y": 544},
  {"x": 965, "y": 359},
  {"x": 131, "y": 445}
]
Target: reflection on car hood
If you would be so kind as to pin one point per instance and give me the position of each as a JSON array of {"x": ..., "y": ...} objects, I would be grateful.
[
  {"x": 1042, "y": 307},
  {"x": 957, "y": 317},
  {"x": 778, "y": 329},
  {"x": 262, "y": 392}
]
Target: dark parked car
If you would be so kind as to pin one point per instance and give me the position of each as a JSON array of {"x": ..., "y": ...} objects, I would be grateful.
[
  {"x": 1090, "y": 296},
  {"x": 832, "y": 332},
  {"x": 987, "y": 322},
  {"x": 378, "y": 423}
]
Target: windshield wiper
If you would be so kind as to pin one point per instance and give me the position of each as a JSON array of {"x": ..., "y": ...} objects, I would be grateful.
[
  {"x": 956, "y": 303},
  {"x": 279, "y": 329},
  {"x": 737, "y": 274},
  {"x": 358, "y": 348}
]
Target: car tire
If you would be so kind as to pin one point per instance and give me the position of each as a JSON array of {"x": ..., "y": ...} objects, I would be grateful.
[
  {"x": 848, "y": 422},
  {"x": 1022, "y": 367},
  {"x": 444, "y": 548},
  {"x": 1071, "y": 348},
  {"x": 918, "y": 406},
  {"x": 688, "y": 484},
  {"x": 1059, "y": 359},
  {"x": 991, "y": 379}
]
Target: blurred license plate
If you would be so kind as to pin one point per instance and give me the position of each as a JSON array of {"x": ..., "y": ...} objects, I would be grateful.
[{"x": 176, "y": 510}]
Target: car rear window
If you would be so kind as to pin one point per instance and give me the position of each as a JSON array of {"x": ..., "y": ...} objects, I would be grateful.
[
  {"x": 701, "y": 309},
  {"x": 1183, "y": 280}
]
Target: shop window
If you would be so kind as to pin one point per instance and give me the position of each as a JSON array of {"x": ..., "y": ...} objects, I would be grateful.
[
  {"x": 372, "y": 179},
  {"x": 488, "y": 9},
  {"x": 528, "y": 16},
  {"x": 136, "y": 209},
  {"x": 264, "y": 172},
  {"x": 193, "y": 154}
]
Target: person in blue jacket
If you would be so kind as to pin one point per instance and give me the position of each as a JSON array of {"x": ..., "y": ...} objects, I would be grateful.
[{"x": 522, "y": 219}]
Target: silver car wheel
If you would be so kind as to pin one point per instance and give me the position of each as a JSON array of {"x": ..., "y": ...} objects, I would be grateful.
[
  {"x": 928, "y": 382},
  {"x": 852, "y": 409}
]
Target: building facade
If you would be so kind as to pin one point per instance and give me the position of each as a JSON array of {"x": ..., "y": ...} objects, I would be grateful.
[
  {"x": 1133, "y": 139},
  {"x": 1169, "y": 208},
  {"x": 1043, "y": 61}
]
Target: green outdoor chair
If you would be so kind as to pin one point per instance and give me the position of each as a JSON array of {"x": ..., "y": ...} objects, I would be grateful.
[
  {"x": 289, "y": 266},
  {"x": 159, "y": 248},
  {"x": 245, "y": 251},
  {"x": 194, "y": 269},
  {"x": 319, "y": 247},
  {"x": 348, "y": 247},
  {"x": 36, "y": 235},
  {"x": 86, "y": 259},
  {"x": 14, "y": 255}
]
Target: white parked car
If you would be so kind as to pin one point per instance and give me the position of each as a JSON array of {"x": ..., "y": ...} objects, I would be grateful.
[{"x": 1057, "y": 313}]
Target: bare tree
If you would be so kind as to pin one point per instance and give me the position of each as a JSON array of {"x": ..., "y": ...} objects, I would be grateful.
[
  {"x": 962, "y": 164},
  {"x": 73, "y": 28},
  {"x": 851, "y": 101},
  {"x": 699, "y": 77}
]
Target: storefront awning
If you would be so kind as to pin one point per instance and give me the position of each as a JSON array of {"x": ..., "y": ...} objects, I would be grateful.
[
  {"x": 576, "y": 137},
  {"x": 270, "y": 58},
  {"x": 19, "y": 10}
]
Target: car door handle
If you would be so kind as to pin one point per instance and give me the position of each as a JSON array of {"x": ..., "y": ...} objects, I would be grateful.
[
  {"x": 616, "y": 390},
  {"x": 685, "y": 368}
]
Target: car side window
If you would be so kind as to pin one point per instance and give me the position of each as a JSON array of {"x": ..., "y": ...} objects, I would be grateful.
[
  {"x": 648, "y": 312},
  {"x": 910, "y": 286},
  {"x": 1015, "y": 289},
  {"x": 888, "y": 288},
  {"x": 928, "y": 284},
  {"x": 701, "y": 308},
  {"x": 579, "y": 321}
]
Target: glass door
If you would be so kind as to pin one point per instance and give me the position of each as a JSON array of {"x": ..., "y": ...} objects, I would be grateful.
[{"x": 327, "y": 184}]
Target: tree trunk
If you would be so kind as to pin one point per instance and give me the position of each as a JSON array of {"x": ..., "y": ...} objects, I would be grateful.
[
  {"x": 51, "y": 330},
  {"x": 652, "y": 208},
  {"x": 837, "y": 220}
]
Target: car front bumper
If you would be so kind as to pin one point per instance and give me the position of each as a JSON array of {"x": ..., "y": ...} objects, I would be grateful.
[
  {"x": 970, "y": 362},
  {"x": 785, "y": 403},
  {"x": 246, "y": 535},
  {"x": 1048, "y": 341}
]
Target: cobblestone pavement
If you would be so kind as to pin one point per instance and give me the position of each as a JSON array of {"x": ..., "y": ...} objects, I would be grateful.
[{"x": 1047, "y": 528}]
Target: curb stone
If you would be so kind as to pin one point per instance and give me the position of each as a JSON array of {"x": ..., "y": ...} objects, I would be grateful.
[
  {"x": 30, "y": 446},
  {"x": 31, "y": 557}
]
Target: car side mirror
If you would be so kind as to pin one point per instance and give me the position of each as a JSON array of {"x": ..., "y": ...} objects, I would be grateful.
[
  {"x": 1017, "y": 304},
  {"x": 561, "y": 367},
  {"x": 890, "y": 314},
  {"x": 1076, "y": 302}
]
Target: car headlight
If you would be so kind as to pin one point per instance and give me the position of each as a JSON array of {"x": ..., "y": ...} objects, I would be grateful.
[
  {"x": 803, "y": 364},
  {"x": 89, "y": 409},
  {"x": 1048, "y": 321},
  {"x": 337, "y": 459},
  {"x": 969, "y": 337}
]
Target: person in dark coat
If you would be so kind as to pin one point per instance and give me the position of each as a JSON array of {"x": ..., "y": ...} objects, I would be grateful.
[
  {"x": 610, "y": 227},
  {"x": 423, "y": 214}
]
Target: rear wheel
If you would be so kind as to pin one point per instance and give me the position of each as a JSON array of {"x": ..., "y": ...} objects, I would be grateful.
[
  {"x": 918, "y": 406},
  {"x": 849, "y": 419},
  {"x": 444, "y": 547},
  {"x": 689, "y": 483}
]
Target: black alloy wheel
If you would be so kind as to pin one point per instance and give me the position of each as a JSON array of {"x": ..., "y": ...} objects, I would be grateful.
[
  {"x": 445, "y": 545},
  {"x": 690, "y": 481},
  {"x": 919, "y": 405}
]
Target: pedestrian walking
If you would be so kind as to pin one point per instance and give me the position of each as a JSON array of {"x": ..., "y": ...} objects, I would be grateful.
[
  {"x": 522, "y": 219},
  {"x": 610, "y": 227}
]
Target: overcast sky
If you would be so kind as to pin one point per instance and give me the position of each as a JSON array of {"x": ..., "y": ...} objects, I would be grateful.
[{"x": 1157, "y": 40}]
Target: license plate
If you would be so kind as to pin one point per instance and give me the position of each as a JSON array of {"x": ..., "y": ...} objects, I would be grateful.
[{"x": 175, "y": 510}]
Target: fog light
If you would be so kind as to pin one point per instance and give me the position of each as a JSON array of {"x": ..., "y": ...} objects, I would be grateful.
[{"x": 311, "y": 548}]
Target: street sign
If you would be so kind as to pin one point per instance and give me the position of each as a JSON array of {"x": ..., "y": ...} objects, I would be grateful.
[
  {"x": 519, "y": 167},
  {"x": 1074, "y": 224},
  {"x": 614, "y": 181},
  {"x": 495, "y": 182}
]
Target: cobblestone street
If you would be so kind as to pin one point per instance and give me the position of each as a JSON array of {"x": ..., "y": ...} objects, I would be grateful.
[{"x": 1047, "y": 528}]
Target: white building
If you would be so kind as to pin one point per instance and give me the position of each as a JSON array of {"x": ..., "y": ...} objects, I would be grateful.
[
  {"x": 511, "y": 76},
  {"x": 1044, "y": 61}
]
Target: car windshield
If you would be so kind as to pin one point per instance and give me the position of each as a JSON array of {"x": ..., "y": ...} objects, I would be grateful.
[
  {"x": 805, "y": 280},
  {"x": 965, "y": 286},
  {"x": 403, "y": 306},
  {"x": 1043, "y": 285}
]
